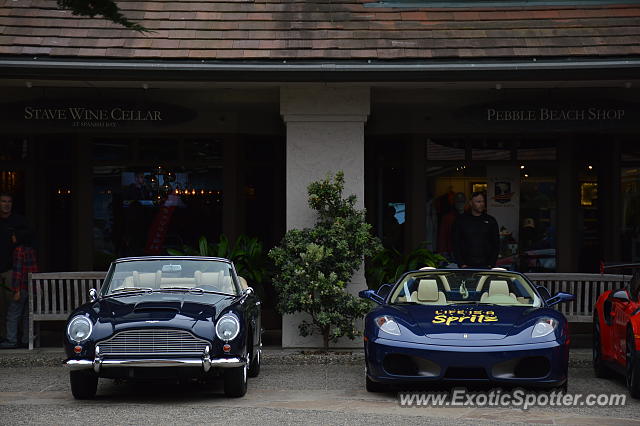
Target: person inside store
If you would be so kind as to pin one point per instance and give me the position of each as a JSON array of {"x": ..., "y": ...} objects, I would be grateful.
[
  {"x": 475, "y": 236},
  {"x": 24, "y": 262},
  {"x": 138, "y": 189},
  {"x": 8, "y": 222}
]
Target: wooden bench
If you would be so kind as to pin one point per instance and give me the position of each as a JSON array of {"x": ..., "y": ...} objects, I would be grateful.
[
  {"x": 586, "y": 288},
  {"x": 55, "y": 295}
]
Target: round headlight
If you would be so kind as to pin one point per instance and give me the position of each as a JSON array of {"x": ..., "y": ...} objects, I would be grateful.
[
  {"x": 227, "y": 327},
  {"x": 79, "y": 329}
]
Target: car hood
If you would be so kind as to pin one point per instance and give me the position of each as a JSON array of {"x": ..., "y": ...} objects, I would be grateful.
[
  {"x": 469, "y": 322},
  {"x": 177, "y": 309}
]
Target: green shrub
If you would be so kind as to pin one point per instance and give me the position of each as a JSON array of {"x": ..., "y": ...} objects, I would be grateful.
[
  {"x": 389, "y": 264},
  {"x": 314, "y": 265}
]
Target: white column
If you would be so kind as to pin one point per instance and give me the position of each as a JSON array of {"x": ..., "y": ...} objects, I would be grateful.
[{"x": 325, "y": 134}]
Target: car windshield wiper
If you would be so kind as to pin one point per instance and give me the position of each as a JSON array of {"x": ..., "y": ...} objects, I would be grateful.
[
  {"x": 178, "y": 288},
  {"x": 193, "y": 290},
  {"x": 130, "y": 290}
]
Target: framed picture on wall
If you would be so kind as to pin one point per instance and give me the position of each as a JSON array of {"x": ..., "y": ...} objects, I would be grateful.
[{"x": 479, "y": 187}]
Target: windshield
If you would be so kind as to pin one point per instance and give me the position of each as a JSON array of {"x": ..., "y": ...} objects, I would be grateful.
[
  {"x": 465, "y": 287},
  {"x": 170, "y": 275}
]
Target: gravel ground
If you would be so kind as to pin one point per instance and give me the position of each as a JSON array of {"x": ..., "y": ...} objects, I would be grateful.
[{"x": 284, "y": 393}]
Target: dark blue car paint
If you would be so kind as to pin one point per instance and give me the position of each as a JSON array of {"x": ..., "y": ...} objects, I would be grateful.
[
  {"x": 194, "y": 312},
  {"x": 484, "y": 345}
]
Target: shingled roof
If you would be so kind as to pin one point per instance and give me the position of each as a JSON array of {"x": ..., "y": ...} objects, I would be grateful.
[{"x": 323, "y": 29}]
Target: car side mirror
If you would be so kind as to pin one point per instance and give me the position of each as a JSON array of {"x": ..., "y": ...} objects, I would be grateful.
[
  {"x": 371, "y": 295},
  {"x": 621, "y": 296},
  {"x": 559, "y": 298},
  {"x": 384, "y": 290},
  {"x": 93, "y": 294},
  {"x": 544, "y": 292}
]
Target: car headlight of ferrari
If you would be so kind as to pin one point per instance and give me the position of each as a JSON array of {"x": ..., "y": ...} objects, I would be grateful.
[
  {"x": 388, "y": 325},
  {"x": 79, "y": 329},
  {"x": 227, "y": 327},
  {"x": 544, "y": 327}
]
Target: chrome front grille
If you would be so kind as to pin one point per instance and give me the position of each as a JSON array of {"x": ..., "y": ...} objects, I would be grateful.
[{"x": 153, "y": 342}]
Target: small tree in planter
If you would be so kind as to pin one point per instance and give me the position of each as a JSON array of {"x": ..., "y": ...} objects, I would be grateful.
[{"x": 314, "y": 265}]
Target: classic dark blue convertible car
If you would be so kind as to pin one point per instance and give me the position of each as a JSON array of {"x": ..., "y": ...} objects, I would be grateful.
[
  {"x": 463, "y": 325},
  {"x": 166, "y": 317}
]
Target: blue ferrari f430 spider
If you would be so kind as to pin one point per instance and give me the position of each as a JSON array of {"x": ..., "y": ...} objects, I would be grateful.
[{"x": 465, "y": 325}]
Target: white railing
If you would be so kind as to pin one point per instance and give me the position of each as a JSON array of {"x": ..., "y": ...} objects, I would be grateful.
[{"x": 586, "y": 288}]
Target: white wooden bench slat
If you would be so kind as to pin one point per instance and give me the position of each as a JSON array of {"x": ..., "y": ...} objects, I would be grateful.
[
  {"x": 586, "y": 288},
  {"x": 56, "y": 295},
  {"x": 54, "y": 298},
  {"x": 76, "y": 293},
  {"x": 69, "y": 291},
  {"x": 586, "y": 299}
]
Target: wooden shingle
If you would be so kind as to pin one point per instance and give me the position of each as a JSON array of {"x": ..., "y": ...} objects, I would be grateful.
[{"x": 281, "y": 29}]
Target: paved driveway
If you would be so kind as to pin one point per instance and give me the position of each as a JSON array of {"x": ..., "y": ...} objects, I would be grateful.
[{"x": 283, "y": 394}]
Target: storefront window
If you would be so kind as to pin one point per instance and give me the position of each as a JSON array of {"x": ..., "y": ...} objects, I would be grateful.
[
  {"x": 491, "y": 149},
  {"x": 448, "y": 190},
  {"x": 538, "y": 220},
  {"x": 444, "y": 149},
  {"x": 14, "y": 149},
  {"x": 114, "y": 150},
  {"x": 145, "y": 210},
  {"x": 203, "y": 149},
  {"x": 536, "y": 150},
  {"x": 59, "y": 217},
  {"x": 521, "y": 197},
  {"x": 630, "y": 188},
  {"x": 390, "y": 183},
  {"x": 158, "y": 149}
]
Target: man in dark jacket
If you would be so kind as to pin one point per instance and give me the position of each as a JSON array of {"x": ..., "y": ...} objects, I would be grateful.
[{"x": 475, "y": 236}]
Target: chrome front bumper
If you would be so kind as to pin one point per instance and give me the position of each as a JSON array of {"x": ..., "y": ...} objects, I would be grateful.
[{"x": 205, "y": 362}]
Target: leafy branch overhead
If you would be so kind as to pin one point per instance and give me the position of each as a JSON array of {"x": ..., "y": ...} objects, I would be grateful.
[{"x": 107, "y": 8}]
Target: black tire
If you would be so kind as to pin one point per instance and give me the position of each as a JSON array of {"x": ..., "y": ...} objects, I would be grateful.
[
  {"x": 254, "y": 365},
  {"x": 372, "y": 386},
  {"x": 84, "y": 384},
  {"x": 235, "y": 381},
  {"x": 599, "y": 368},
  {"x": 632, "y": 373}
]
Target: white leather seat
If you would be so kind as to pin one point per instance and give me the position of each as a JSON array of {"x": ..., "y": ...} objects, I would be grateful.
[
  {"x": 428, "y": 293},
  {"x": 207, "y": 278},
  {"x": 445, "y": 283},
  {"x": 147, "y": 279},
  {"x": 215, "y": 279},
  {"x": 481, "y": 282},
  {"x": 227, "y": 285},
  {"x": 498, "y": 289}
]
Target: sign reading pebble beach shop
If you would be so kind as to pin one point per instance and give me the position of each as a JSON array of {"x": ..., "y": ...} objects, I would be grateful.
[
  {"x": 97, "y": 115},
  {"x": 552, "y": 115}
]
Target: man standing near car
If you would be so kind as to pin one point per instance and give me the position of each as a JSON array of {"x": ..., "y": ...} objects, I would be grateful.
[
  {"x": 9, "y": 221},
  {"x": 475, "y": 236}
]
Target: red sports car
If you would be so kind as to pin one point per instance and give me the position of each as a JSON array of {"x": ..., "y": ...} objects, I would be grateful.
[{"x": 616, "y": 333}]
